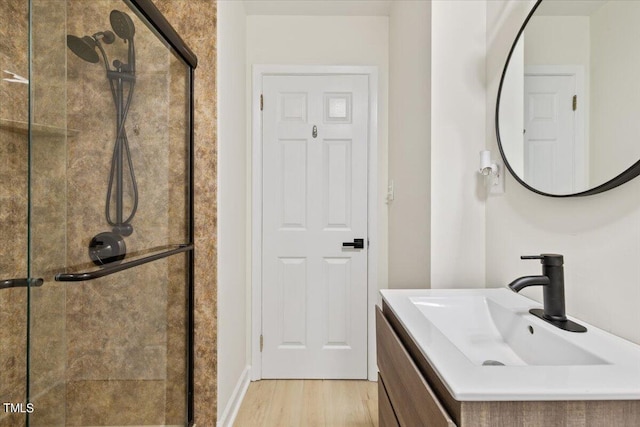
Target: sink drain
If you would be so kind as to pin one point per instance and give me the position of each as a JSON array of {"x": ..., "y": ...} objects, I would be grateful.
[{"x": 492, "y": 363}]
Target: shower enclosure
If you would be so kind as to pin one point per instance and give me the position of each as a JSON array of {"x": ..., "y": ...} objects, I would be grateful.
[{"x": 96, "y": 218}]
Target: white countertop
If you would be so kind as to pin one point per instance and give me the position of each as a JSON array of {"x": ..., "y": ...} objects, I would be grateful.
[{"x": 616, "y": 375}]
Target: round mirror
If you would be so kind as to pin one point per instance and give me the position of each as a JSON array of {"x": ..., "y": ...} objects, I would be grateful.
[{"x": 568, "y": 110}]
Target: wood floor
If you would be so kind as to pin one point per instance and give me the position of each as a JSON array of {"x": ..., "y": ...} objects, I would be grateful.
[{"x": 309, "y": 403}]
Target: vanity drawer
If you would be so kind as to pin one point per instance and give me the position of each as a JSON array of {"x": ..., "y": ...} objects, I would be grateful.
[
  {"x": 386, "y": 416},
  {"x": 413, "y": 401}
]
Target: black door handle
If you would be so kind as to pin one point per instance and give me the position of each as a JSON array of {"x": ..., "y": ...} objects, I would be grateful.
[{"x": 356, "y": 244}]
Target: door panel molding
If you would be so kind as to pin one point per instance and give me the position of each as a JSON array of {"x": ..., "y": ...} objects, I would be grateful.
[
  {"x": 337, "y": 110},
  {"x": 581, "y": 135}
]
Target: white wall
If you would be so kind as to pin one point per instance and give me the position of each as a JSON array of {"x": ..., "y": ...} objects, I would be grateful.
[
  {"x": 410, "y": 143},
  {"x": 557, "y": 40},
  {"x": 512, "y": 110},
  {"x": 457, "y": 135},
  {"x": 232, "y": 207},
  {"x": 599, "y": 235},
  {"x": 615, "y": 87},
  {"x": 332, "y": 40}
]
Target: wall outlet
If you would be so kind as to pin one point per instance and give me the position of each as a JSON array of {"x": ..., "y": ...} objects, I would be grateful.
[{"x": 390, "y": 192}]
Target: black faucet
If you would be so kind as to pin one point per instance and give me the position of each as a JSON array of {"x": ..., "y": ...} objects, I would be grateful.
[{"x": 552, "y": 282}]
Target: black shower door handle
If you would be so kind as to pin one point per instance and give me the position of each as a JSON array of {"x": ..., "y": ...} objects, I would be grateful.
[
  {"x": 356, "y": 244},
  {"x": 20, "y": 283},
  {"x": 109, "y": 269}
]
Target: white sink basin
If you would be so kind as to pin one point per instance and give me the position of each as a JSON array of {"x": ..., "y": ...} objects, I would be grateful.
[
  {"x": 484, "y": 345},
  {"x": 491, "y": 334}
]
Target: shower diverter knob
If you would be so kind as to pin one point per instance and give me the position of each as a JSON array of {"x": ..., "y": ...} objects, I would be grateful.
[{"x": 106, "y": 248}]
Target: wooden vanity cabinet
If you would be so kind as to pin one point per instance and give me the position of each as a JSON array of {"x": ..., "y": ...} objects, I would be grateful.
[{"x": 410, "y": 394}]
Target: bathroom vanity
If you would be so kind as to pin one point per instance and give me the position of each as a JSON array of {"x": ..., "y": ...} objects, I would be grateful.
[{"x": 479, "y": 358}]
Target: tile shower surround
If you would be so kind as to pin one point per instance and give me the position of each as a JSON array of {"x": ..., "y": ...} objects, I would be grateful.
[
  {"x": 60, "y": 308},
  {"x": 13, "y": 198},
  {"x": 195, "y": 21}
]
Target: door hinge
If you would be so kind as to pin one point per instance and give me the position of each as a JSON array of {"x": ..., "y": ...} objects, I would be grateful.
[
  {"x": 575, "y": 102},
  {"x": 367, "y": 243},
  {"x": 261, "y": 102},
  {"x": 261, "y": 343}
]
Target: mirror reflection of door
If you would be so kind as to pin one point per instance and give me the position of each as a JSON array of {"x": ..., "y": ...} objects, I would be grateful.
[
  {"x": 599, "y": 37},
  {"x": 554, "y": 147}
]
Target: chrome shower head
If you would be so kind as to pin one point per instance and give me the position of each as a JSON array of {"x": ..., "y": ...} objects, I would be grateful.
[
  {"x": 84, "y": 47},
  {"x": 122, "y": 25}
]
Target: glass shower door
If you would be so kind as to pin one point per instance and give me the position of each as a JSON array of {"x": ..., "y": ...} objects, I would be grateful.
[
  {"x": 14, "y": 152},
  {"x": 110, "y": 220},
  {"x": 48, "y": 206}
]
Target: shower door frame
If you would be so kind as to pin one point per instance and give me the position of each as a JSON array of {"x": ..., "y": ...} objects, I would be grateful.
[{"x": 151, "y": 13}]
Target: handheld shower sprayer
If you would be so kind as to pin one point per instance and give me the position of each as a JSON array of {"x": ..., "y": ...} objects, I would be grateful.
[
  {"x": 108, "y": 247},
  {"x": 123, "y": 26}
]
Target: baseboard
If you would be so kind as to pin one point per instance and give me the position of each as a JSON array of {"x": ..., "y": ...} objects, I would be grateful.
[{"x": 231, "y": 411}]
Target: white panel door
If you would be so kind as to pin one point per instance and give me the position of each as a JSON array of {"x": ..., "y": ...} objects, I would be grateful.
[
  {"x": 549, "y": 139},
  {"x": 314, "y": 290}
]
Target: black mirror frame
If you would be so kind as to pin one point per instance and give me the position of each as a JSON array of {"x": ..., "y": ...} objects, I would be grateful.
[{"x": 627, "y": 175}]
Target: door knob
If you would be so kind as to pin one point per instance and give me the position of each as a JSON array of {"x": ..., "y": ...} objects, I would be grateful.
[{"x": 356, "y": 244}]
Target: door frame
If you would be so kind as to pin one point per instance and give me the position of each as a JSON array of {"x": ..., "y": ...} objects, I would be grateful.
[
  {"x": 259, "y": 71},
  {"x": 580, "y": 136}
]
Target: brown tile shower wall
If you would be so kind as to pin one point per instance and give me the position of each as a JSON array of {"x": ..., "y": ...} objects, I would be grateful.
[
  {"x": 88, "y": 344},
  {"x": 13, "y": 302},
  {"x": 48, "y": 178},
  {"x": 13, "y": 206},
  {"x": 176, "y": 388},
  {"x": 110, "y": 351},
  {"x": 124, "y": 334},
  {"x": 48, "y": 137},
  {"x": 195, "y": 21},
  {"x": 48, "y": 211}
]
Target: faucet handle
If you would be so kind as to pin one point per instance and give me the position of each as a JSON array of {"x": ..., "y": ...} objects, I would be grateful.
[{"x": 547, "y": 259}]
